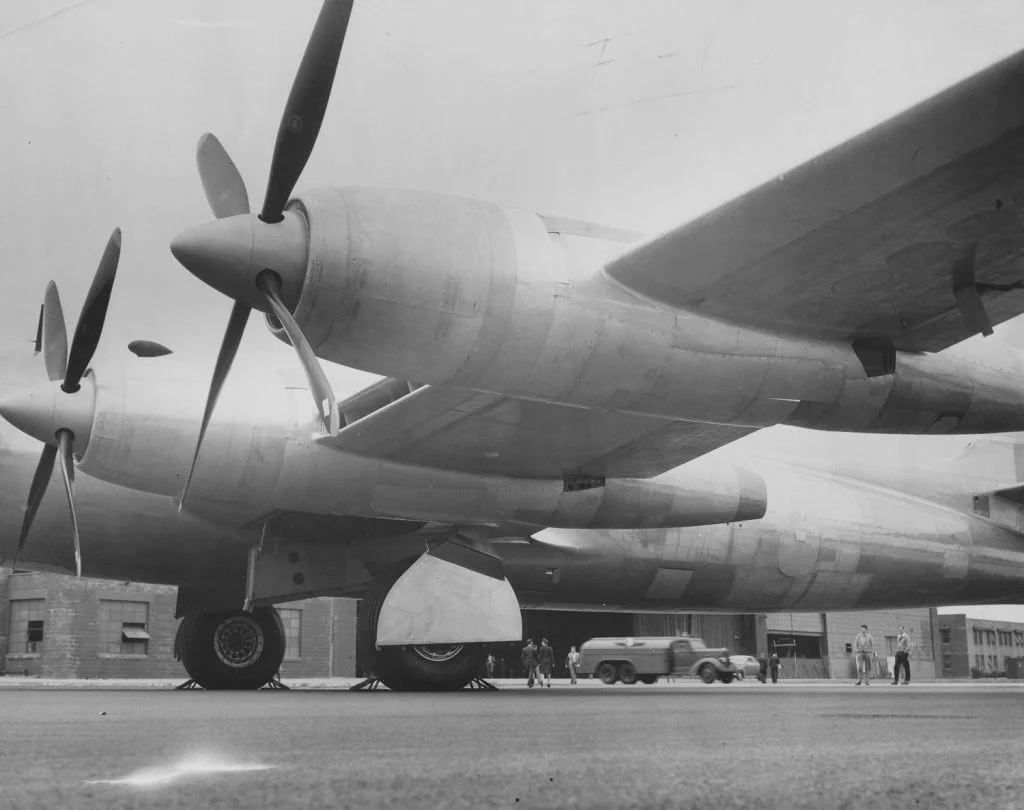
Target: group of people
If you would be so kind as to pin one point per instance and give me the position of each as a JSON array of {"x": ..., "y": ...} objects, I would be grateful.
[
  {"x": 539, "y": 663},
  {"x": 864, "y": 648},
  {"x": 766, "y": 664}
]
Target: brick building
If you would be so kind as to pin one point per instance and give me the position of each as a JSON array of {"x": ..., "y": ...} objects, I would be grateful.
[
  {"x": 967, "y": 646},
  {"x": 61, "y": 627}
]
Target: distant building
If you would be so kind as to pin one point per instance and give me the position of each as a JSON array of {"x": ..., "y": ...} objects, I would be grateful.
[
  {"x": 967, "y": 646},
  {"x": 61, "y": 627}
]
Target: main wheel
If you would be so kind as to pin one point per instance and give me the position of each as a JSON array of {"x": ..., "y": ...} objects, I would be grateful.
[
  {"x": 230, "y": 649},
  {"x": 726, "y": 677},
  {"x": 708, "y": 673},
  {"x": 649, "y": 679},
  {"x": 608, "y": 673},
  {"x": 417, "y": 668},
  {"x": 627, "y": 673}
]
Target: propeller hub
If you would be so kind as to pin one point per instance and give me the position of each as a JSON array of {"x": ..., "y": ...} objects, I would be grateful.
[
  {"x": 42, "y": 410},
  {"x": 229, "y": 254}
]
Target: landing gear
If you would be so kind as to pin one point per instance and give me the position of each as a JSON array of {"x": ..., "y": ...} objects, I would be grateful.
[
  {"x": 231, "y": 649},
  {"x": 414, "y": 668}
]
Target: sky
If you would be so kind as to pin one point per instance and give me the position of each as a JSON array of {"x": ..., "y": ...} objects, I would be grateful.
[{"x": 637, "y": 115}]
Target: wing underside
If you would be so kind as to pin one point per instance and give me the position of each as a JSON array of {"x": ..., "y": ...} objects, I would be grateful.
[
  {"x": 873, "y": 240},
  {"x": 469, "y": 431}
]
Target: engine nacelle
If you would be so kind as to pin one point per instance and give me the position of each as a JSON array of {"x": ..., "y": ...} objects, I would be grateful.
[{"x": 412, "y": 285}]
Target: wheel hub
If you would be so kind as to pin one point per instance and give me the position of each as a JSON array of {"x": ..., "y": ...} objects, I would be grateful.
[
  {"x": 238, "y": 641},
  {"x": 438, "y": 653}
]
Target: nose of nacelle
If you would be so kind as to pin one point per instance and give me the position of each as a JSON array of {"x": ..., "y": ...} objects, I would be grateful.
[
  {"x": 44, "y": 409},
  {"x": 228, "y": 254}
]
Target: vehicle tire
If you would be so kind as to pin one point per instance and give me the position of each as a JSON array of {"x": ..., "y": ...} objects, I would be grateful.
[
  {"x": 230, "y": 649},
  {"x": 416, "y": 668},
  {"x": 608, "y": 673},
  {"x": 627, "y": 673},
  {"x": 726, "y": 677},
  {"x": 649, "y": 679},
  {"x": 708, "y": 673}
]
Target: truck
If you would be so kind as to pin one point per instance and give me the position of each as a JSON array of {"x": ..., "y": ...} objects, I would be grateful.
[{"x": 632, "y": 659}]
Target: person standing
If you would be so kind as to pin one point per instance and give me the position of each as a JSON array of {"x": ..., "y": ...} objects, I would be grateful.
[
  {"x": 773, "y": 665},
  {"x": 546, "y": 659},
  {"x": 762, "y": 668},
  {"x": 530, "y": 661},
  {"x": 864, "y": 647},
  {"x": 572, "y": 661},
  {"x": 490, "y": 665},
  {"x": 902, "y": 658}
]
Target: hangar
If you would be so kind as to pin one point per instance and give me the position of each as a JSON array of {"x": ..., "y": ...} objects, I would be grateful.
[{"x": 59, "y": 626}]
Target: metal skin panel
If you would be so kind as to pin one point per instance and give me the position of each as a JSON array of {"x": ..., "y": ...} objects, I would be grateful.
[
  {"x": 261, "y": 457},
  {"x": 875, "y": 547},
  {"x": 825, "y": 544},
  {"x": 437, "y": 602},
  {"x": 446, "y": 291},
  {"x": 861, "y": 240}
]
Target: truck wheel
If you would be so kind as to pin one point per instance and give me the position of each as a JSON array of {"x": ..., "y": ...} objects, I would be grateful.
[
  {"x": 608, "y": 673},
  {"x": 708, "y": 673},
  {"x": 726, "y": 677},
  {"x": 649, "y": 679},
  {"x": 627, "y": 672}
]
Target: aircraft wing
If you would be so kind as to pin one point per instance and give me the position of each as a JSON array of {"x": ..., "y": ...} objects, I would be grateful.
[
  {"x": 873, "y": 240},
  {"x": 458, "y": 429}
]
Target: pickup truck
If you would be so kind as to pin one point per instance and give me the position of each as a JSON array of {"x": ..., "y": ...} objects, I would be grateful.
[{"x": 645, "y": 658}]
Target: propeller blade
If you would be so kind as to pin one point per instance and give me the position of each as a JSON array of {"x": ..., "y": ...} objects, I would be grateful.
[
  {"x": 35, "y": 494},
  {"x": 222, "y": 182},
  {"x": 323, "y": 394},
  {"x": 94, "y": 312},
  {"x": 54, "y": 334},
  {"x": 307, "y": 103},
  {"x": 228, "y": 349},
  {"x": 67, "y": 473}
]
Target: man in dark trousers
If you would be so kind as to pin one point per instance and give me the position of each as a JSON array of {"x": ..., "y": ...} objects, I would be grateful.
[
  {"x": 546, "y": 658},
  {"x": 773, "y": 665},
  {"x": 762, "y": 668},
  {"x": 530, "y": 661},
  {"x": 902, "y": 658}
]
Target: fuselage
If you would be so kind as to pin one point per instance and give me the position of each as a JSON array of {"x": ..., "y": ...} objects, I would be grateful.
[{"x": 826, "y": 542}]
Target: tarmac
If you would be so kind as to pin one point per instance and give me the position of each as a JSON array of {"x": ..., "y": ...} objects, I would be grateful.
[{"x": 797, "y": 744}]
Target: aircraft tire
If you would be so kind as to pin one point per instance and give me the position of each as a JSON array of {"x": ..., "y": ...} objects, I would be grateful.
[
  {"x": 229, "y": 649},
  {"x": 427, "y": 668}
]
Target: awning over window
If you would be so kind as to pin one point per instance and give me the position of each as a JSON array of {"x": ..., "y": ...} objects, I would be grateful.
[{"x": 134, "y": 634}]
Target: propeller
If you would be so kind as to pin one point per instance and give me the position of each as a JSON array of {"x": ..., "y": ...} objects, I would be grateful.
[
  {"x": 260, "y": 261},
  {"x": 61, "y": 416}
]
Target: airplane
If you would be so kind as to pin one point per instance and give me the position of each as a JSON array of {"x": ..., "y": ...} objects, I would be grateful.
[{"x": 594, "y": 405}]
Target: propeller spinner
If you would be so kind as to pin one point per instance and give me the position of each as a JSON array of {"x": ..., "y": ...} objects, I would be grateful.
[
  {"x": 260, "y": 261},
  {"x": 61, "y": 415}
]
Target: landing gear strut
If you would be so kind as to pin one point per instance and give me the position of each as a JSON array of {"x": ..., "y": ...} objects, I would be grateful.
[{"x": 231, "y": 649}]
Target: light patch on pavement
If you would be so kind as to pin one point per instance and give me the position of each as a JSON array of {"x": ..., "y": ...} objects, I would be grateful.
[{"x": 192, "y": 766}]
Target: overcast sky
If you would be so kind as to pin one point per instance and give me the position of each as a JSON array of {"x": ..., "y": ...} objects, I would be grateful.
[{"x": 636, "y": 115}]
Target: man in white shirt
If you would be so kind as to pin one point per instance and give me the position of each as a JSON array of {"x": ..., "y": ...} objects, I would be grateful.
[
  {"x": 902, "y": 658},
  {"x": 864, "y": 647}
]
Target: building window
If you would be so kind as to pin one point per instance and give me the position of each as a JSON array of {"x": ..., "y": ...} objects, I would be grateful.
[
  {"x": 943, "y": 635},
  {"x": 123, "y": 627},
  {"x": 291, "y": 618},
  {"x": 947, "y": 662},
  {"x": 26, "y": 626}
]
